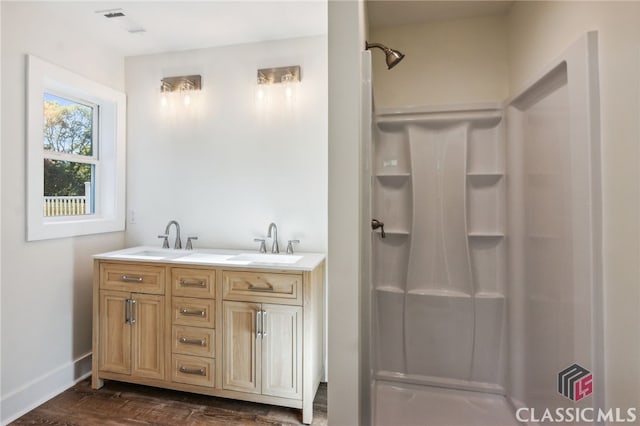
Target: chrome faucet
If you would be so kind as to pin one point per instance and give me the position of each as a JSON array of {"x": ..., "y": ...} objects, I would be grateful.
[
  {"x": 178, "y": 244},
  {"x": 274, "y": 246}
]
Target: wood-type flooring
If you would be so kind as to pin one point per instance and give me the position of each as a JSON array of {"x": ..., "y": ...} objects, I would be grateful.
[{"x": 127, "y": 404}]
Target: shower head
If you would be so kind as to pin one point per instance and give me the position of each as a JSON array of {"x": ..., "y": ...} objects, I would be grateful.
[{"x": 392, "y": 56}]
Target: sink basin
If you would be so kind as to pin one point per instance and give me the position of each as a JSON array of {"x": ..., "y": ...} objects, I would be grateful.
[
  {"x": 205, "y": 258},
  {"x": 286, "y": 259},
  {"x": 154, "y": 254}
]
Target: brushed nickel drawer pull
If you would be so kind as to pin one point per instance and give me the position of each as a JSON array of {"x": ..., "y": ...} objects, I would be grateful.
[
  {"x": 197, "y": 342},
  {"x": 128, "y": 311},
  {"x": 264, "y": 323},
  {"x": 128, "y": 279},
  {"x": 132, "y": 318},
  {"x": 259, "y": 324},
  {"x": 256, "y": 288},
  {"x": 185, "y": 311},
  {"x": 196, "y": 372},
  {"x": 185, "y": 283}
]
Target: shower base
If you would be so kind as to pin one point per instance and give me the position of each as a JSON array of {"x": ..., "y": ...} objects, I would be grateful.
[{"x": 408, "y": 405}]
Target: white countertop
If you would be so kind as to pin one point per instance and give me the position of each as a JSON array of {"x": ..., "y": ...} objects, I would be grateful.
[{"x": 217, "y": 257}]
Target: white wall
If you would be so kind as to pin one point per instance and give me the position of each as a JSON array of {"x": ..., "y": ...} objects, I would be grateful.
[
  {"x": 446, "y": 62},
  {"x": 224, "y": 168},
  {"x": 46, "y": 285},
  {"x": 346, "y": 41},
  {"x": 538, "y": 32}
]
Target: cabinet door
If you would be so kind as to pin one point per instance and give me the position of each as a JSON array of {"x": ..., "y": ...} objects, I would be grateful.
[
  {"x": 115, "y": 333},
  {"x": 282, "y": 351},
  {"x": 148, "y": 336},
  {"x": 241, "y": 354}
]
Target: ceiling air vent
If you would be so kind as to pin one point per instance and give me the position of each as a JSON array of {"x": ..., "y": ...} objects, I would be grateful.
[
  {"x": 113, "y": 14},
  {"x": 122, "y": 20}
]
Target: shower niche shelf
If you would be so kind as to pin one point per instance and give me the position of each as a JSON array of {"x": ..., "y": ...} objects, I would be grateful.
[
  {"x": 392, "y": 176},
  {"x": 486, "y": 235}
]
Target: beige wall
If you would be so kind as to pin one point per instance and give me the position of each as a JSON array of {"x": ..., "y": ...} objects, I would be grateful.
[
  {"x": 447, "y": 62},
  {"x": 538, "y": 32}
]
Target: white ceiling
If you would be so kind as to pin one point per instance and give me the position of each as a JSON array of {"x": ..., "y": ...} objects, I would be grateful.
[
  {"x": 389, "y": 13},
  {"x": 181, "y": 25}
]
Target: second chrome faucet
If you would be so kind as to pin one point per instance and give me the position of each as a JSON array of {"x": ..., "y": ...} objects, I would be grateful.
[{"x": 274, "y": 247}]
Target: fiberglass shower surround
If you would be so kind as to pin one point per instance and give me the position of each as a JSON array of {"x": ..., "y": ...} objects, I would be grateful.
[
  {"x": 440, "y": 272},
  {"x": 464, "y": 251}
]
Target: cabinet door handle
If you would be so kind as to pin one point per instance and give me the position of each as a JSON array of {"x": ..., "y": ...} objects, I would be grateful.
[
  {"x": 187, "y": 312},
  {"x": 197, "y": 342},
  {"x": 258, "y": 324},
  {"x": 194, "y": 371},
  {"x": 127, "y": 311},
  {"x": 264, "y": 323},
  {"x": 185, "y": 283},
  {"x": 132, "y": 316},
  {"x": 257, "y": 288},
  {"x": 128, "y": 279}
]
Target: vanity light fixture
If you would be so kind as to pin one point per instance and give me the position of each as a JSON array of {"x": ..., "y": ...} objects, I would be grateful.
[
  {"x": 185, "y": 86},
  {"x": 287, "y": 76}
]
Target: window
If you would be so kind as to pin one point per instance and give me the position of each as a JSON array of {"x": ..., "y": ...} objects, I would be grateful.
[
  {"x": 70, "y": 145},
  {"x": 76, "y": 154}
]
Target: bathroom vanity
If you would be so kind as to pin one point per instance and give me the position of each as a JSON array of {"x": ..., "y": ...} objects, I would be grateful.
[{"x": 223, "y": 323}]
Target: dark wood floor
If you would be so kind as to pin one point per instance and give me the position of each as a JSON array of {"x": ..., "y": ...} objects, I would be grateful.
[{"x": 126, "y": 404}]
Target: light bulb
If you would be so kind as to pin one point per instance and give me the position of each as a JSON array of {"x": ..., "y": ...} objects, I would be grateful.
[
  {"x": 187, "y": 100},
  {"x": 287, "y": 81},
  {"x": 288, "y": 91},
  {"x": 163, "y": 101}
]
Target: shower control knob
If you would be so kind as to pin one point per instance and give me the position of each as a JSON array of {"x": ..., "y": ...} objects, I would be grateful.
[{"x": 375, "y": 224}]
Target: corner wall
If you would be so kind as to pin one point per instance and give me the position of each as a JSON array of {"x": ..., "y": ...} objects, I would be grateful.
[
  {"x": 539, "y": 32},
  {"x": 346, "y": 41},
  {"x": 46, "y": 285}
]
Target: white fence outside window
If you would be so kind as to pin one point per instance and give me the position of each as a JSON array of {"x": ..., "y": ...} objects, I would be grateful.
[{"x": 69, "y": 205}]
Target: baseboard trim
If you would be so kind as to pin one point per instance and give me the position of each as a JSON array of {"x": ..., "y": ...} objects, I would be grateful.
[{"x": 43, "y": 388}]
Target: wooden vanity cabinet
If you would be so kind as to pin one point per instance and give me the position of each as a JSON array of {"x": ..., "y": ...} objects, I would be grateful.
[
  {"x": 250, "y": 334},
  {"x": 131, "y": 325},
  {"x": 193, "y": 320},
  {"x": 263, "y": 349}
]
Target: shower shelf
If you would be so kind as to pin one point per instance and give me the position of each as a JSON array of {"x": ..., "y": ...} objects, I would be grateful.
[
  {"x": 482, "y": 175},
  {"x": 395, "y": 121},
  {"x": 389, "y": 288},
  {"x": 485, "y": 235},
  {"x": 401, "y": 175}
]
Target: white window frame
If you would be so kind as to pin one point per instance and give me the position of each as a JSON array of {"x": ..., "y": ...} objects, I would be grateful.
[{"x": 109, "y": 214}]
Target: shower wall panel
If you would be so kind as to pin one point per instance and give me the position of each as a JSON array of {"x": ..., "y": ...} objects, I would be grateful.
[
  {"x": 554, "y": 251},
  {"x": 439, "y": 273}
]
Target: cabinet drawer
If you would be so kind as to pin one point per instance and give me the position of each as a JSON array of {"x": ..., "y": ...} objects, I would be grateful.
[
  {"x": 194, "y": 312},
  {"x": 193, "y": 341},
  {"x": 262, "y": 287},
  {"x": 193, "y": 370},
  {"x": 193, "y": 282},
  {"x": 132, "y": 277}
]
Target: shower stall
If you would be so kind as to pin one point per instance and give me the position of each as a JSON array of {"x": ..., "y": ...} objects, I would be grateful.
[{"x": 484, "y": 262}]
